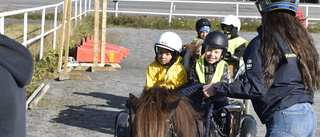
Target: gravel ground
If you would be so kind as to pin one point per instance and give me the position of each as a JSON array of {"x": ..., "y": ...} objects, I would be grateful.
[{"x": 88, "y": 108}]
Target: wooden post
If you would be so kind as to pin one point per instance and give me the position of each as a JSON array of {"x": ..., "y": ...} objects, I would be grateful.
[
  {"x": 64, "y": 75},
  {"x": 104, "y": 31},
  {"x": 34, "y": 93},
  {"x": 95, "y": 66},
  {"x": 37, "y": 98},
  {"x": 96, "y": 33},
  {"x": 62, "y": 35},
  {"x": 66, "y": 53}
]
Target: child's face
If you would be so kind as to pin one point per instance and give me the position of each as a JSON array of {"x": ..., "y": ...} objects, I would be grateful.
[
  {"x": 212, "y": 54},
  {"x": 227, "y": 30},
  {"x": 227, "y": 33},
  {"x": 203, "y": 34},
  {"x": 164, "y": 56}
]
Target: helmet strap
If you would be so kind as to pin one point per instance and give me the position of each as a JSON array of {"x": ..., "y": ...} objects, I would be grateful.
[
  {"x": 174, "y": 57},
  {"x": 156, "y": 50}
]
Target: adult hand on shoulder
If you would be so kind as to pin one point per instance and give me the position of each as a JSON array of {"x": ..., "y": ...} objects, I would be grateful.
[{"x": 208, "y": 90}]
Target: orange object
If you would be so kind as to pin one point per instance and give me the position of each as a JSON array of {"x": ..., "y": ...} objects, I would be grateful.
[
  {"x": 91, "y": 45},
  {"x": 90, "y": 42},
  {"x": 299, "y": 16},
  {"x": 85, "y": 54}
]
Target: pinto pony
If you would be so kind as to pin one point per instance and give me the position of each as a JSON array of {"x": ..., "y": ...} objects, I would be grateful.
[{"x": 159, "y": 112}]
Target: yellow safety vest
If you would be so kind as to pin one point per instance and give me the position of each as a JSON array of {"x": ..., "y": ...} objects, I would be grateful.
[
  {"x": 217, "y": 73},
  {"x": 233, "y": 44}
]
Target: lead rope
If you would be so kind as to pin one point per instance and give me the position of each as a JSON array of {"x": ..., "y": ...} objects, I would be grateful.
[{"x": 209, "y": 114}]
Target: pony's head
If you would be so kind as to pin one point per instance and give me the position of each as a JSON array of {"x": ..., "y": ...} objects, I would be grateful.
[{"x": 160, "y": 113}]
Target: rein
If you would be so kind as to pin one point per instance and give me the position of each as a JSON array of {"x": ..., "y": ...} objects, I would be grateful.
[{"x": 171, "y": 130}]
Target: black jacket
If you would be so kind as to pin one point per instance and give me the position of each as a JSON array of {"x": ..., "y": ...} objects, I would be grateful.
[
  {"x": 286, "y": 90},
  {"x": 16, "y": 69}
]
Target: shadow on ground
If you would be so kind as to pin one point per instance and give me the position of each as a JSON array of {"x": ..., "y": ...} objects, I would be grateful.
[
  {"x": 93, "y": 116},
  {"x": 112, "y": 101}
]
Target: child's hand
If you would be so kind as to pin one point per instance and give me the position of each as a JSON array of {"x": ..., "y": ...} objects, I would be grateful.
[{"x": 208, "y": 90}]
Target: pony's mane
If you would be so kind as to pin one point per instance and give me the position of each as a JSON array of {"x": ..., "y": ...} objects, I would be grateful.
[{"x": 151, "y": 121}]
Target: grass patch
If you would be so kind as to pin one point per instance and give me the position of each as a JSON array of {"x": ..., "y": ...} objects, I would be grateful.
[
  {"x": 85, "y": 28},
  {"x": 36, "y": 16}
]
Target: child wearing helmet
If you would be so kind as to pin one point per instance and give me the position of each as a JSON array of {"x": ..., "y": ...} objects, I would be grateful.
[
  {"x": 230, "y": 25},
  {"x": 203, "y": 28},
  {"x": 166, "y": 70},
  {"x": 282, "y": 69},
  {"x": 211, "y": 68}
]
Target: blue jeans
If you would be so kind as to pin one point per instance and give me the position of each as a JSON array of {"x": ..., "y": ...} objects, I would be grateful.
[{"x": 298, "y": 120}]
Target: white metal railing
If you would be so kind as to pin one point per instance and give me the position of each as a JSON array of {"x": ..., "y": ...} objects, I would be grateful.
[
  {"x": 27, "y": 41},
  {"x": 173, "y": 12}
]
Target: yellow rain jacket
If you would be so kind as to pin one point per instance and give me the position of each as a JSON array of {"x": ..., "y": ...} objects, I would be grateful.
[{"x": 158, "y": 75}]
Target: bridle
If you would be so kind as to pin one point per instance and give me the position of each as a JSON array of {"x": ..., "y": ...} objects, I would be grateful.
[{"x": 171, "y": 132}]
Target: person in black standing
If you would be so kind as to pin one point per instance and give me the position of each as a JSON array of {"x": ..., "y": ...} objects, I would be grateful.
[
  {"x": 282, "y": 67},
  {"x": 16, "y": 70}
]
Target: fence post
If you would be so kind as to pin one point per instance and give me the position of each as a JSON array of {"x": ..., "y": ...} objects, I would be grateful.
[
  {"x": 170, "y": 12},
  {"x": 80, "y": 9},
  {"x": 104, "y": 31},
  {"x": 25, "y": 27},
  {"x": 96, "y": 33},
  {"x": 75, "y": 12},
  {"x": 85, "y": 7},
  {"x": 55, "y": 26},
  {"x": 65, "y": 11},
  {"x": 42, "y": 32},
  {"x": 115, "y": 8},
  {"x": 89, "y": 6},
  {"x": 66, "y": 51}
]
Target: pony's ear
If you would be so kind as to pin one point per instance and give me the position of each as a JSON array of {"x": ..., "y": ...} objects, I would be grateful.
[
  {"x": 171, "y": 107},
  {"x": 132, "y": 100}
]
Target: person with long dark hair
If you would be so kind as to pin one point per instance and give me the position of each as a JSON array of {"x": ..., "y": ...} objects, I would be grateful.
[{"x": 282, "y": 68}]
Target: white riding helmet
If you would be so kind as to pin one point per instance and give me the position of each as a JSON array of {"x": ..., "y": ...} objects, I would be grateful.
[
  {"x": 232, "y": 20},
  {"x": 170, "y": 41}
]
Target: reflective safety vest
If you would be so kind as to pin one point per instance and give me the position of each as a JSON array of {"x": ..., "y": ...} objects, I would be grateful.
[
  {"x": 217, "y": 73},
  {"x": 233, "y": 44},
  {"x": 196, "y": 37}
]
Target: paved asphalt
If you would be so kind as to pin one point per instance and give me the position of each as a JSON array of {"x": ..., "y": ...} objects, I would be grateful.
[{"x": 81, "y": 108}]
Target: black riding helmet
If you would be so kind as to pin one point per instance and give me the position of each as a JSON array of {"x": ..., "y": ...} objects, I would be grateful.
[
  {"x": 216, "y": 39},
  {"x": 202, "y": 22}
]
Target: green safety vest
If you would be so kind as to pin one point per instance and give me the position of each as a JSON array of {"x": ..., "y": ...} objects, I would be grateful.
[
  {"x": 217, "y": 73},
  {"x": 233, "y": 44}
]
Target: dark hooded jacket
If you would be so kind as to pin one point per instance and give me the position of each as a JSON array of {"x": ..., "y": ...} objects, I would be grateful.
[
  {"x": 16, "y": 69},
  {"x": 286, "y": 90}
]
